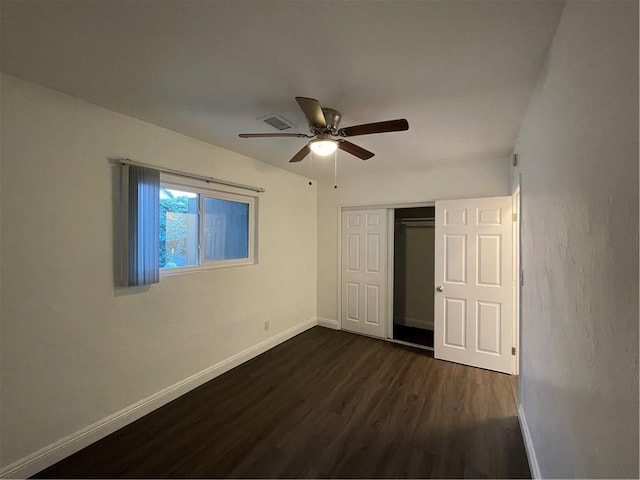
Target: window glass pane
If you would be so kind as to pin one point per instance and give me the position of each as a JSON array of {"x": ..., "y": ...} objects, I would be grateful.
[
  {"x": 178, "y": 228},
  {"x": 226, "y": 229}
]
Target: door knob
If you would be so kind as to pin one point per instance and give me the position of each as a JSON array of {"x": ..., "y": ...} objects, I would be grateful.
[{"x": 440, "y": 288}]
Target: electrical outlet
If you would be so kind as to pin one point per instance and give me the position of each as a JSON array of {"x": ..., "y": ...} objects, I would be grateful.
[{"x": 266, "y": 325}]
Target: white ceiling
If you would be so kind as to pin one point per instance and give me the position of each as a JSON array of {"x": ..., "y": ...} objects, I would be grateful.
[{"x": 460, "y": 72}]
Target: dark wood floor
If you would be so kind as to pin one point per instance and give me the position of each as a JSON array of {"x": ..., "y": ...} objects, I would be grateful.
[{"x": 325, "y": 404}]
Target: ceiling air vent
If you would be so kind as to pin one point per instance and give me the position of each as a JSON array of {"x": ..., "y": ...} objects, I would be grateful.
[{"x": 277, "y": 122}]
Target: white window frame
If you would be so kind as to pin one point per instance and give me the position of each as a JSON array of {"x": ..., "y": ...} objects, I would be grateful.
[{"x": 184, "y": 185}]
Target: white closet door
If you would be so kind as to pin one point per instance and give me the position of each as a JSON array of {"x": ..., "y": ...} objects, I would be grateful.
[
  {"x": 473, "y": 278},
  {"x": 364, "y": 271}
]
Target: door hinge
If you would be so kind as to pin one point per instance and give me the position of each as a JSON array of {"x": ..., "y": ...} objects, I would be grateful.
[
  {"x": 521, "y": 277},
  {"x": 514, "y": 159},
  {"x": 513, "y": 350},
  {"x": 514, "y": 217}
]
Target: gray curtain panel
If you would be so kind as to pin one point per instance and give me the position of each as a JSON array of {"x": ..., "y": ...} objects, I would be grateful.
[{"x": 142, "y": 210}]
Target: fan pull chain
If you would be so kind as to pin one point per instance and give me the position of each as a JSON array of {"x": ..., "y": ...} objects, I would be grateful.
[
  {"x": 335, "y": 169},
  {"x": 310, "y": 167}
]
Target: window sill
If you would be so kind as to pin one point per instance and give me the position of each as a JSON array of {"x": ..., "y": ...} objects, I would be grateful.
[{"x": 168, "y": 272}]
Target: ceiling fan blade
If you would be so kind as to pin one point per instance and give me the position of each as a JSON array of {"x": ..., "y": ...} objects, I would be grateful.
[
  {"x": 354, "y": 149},
  {"x": 266, "y": 135},
  {"x": 304, "y": 151},
  {"x": 377, "y": 127},
  {"x": 313, "y": 111}
]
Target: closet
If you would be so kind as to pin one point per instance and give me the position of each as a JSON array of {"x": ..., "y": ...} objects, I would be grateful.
[
  {"x": 439, "y": 277},
  {"x": 413, "y": 275}
]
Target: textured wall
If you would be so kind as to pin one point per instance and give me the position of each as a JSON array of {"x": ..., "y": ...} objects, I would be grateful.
[
  {"x": 578, "y": 149},
  {"x": 74, "y": 349}
]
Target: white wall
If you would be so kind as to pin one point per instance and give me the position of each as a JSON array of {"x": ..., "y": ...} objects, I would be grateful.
[
  {"x": 462, "y": 180},
  {"x": 75, "y": 350},
  {"x": 578, "y": 151}
]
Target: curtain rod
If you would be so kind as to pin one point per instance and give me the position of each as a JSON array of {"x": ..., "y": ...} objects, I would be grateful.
[{"x": 128, "y": 161}]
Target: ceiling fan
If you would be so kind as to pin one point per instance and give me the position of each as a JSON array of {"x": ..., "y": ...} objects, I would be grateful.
[{"x": 323, "y": 125}]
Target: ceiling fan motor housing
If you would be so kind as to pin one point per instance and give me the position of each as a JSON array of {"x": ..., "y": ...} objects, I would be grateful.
[{"x": 332, "y": 117}]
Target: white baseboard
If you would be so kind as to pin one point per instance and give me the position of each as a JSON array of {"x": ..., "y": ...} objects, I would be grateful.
[
  {"x": 326, "y": 322},
  {"x": 49, "y": 455},
  {"x": 528, "y": 444},
  {"x": 415, "y": 322}
]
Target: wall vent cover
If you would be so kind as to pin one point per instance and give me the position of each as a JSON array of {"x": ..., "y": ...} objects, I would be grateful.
[{"x": 277, "y": 122}]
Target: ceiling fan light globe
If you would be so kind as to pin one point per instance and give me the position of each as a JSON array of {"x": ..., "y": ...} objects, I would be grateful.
[{"x": 323, "y": 147}]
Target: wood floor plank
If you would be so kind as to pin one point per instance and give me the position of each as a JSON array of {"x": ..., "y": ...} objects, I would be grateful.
[{"x": 325, "y": 404}]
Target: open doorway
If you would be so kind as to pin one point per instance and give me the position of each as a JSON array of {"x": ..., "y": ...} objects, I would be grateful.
[{"x": 413, "y": 275}]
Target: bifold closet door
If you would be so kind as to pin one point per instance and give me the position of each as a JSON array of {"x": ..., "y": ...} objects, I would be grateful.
[
  {"x": 474, "y": 286},
  {"x": 364, "y": 271}
]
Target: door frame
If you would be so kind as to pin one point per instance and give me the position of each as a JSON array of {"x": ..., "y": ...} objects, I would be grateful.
[
  {"x": 517, "y": 273},
  {"x": 391, "y": 260}
]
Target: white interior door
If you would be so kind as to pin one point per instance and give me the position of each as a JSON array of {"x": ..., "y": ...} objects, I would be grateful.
[
  {"x": 473, "y": 278},
  {"x": 364, "y": 271}
]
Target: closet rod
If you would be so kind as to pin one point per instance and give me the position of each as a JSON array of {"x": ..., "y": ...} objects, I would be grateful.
[
  {"x": 417, "y": 219},
  {"x": 418, "y": 225},
  {"x": 128, "y": 161}
]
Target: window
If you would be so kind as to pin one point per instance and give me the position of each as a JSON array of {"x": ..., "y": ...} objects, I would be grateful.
[{"x": 204, "y": 228}]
